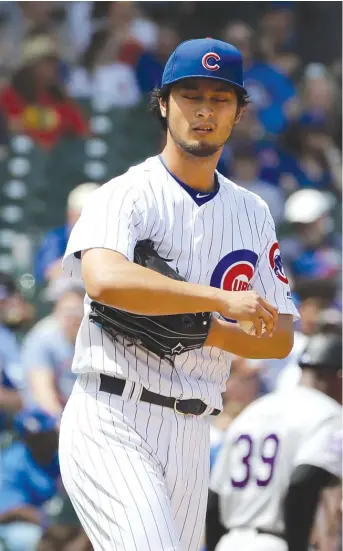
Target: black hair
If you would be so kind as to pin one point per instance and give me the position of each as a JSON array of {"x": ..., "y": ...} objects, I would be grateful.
[
  {"x": 159, "y": 94},
  {"x": 156, "y": 96}
]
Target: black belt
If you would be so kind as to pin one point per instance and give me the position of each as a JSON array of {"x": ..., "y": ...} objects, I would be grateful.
[
  {"x": 260, "y": 531},
  {"x": 183, "y": 407}
]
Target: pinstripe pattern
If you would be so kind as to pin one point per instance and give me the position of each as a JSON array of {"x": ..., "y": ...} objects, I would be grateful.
[
  {"x": 147, "y": 202},
  {"x": 131, "y": 489},
  {"x": 137, "y": 474}
]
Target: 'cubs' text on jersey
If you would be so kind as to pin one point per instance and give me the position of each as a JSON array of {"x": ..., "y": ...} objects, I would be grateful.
[{"x": 225, "y": 238}]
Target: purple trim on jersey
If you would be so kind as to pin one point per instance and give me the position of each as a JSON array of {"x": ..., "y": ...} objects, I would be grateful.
[{"x": 198, "y": 197}]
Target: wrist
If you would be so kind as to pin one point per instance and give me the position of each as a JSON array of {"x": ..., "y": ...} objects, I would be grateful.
[
  {"x": 215, "y": 336},
  {"x": 215, "y": 297}
]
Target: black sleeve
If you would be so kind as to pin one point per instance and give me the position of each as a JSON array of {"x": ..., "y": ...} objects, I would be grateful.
[
  {"x": 214, "y": 530},
  {"x": 301, "y": 503}
]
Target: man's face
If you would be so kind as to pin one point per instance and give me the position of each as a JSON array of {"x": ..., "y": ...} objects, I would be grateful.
[{"x": 201, "y": 114}]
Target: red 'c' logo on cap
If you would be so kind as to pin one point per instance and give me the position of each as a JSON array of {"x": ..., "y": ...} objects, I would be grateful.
[{"x": 207, "y": 61}]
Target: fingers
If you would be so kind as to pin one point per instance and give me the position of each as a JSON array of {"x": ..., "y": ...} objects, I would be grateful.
[
  {"x": 258, "y": 327},
  {"x": 270, "y": 308},
  {"x": 264, "y": 317}
]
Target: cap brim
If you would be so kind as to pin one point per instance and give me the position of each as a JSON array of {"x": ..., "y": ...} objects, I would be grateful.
[{"x": 212, "y": 77}]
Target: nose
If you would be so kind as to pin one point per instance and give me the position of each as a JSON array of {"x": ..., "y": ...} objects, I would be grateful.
[{"x": 205, "y": 112}]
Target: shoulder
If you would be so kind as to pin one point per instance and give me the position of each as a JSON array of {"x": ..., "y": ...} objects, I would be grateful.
[
  {"x": 249, "y": 415},
  {"x": 139, "y": 184},
  {"x": 241, "y": 195},
  {"x": 135, "y": 181},
  {"x": 316, "y": 404}
]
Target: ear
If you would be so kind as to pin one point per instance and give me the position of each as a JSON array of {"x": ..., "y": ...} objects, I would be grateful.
[
  {"x": 239, "y": 114},
  {"x": 163, "y": 108}
]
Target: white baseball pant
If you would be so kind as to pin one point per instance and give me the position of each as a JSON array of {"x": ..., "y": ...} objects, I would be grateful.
[
  {"x": 136, "y": 473},
  {"x": 248, "y": 539}
]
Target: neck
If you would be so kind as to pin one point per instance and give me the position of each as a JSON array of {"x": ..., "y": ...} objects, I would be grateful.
[{"x": 196, "y": 172}]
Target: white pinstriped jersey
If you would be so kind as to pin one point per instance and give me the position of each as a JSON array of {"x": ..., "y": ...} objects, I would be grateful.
[
  {"x": 263, "y": 446},
  {"x": 225, "y": 238}
]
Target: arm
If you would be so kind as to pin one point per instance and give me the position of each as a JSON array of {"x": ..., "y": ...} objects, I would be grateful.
[
  {"x": 133, "y": 288},
  {"x": 301, "y": 504},
  {"x": 10, "y": 400},
  {"x": 214, "y": 529},
  {"x": 42, "y": 383},
  {"x": 24, "y": 513},
  {"x": 231, "y": 338}
]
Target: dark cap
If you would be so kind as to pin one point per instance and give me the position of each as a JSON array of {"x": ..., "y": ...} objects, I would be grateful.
[
  {"x": 323, "y": 353},
  {"x": 205, "y": 58}
]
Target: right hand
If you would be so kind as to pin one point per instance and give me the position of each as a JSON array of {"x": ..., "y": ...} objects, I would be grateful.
[{"x": 249, "y": 306}]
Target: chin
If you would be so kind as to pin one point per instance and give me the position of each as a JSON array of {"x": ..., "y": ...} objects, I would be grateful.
[{"x": 199, "y": 149}]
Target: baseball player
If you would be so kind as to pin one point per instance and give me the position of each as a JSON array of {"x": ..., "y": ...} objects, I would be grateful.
[
  {"x": 278, "y": 455},
  {"x": 134, "y": 443}
]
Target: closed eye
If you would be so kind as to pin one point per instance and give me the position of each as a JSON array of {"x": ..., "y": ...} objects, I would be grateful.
[{"x": 192, "y": 97}]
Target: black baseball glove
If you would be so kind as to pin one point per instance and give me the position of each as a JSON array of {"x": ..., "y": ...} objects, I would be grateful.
[{"x": 165, "y": 336}]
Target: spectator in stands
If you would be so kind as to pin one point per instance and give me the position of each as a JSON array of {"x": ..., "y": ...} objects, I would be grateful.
[
  {"x": 313, "y": 250},
  {"x": 150, "y": 64},
  {"x": 246, "y": 171},
  {"x": 107, "y": 72},
  {"x": 278, "y": 26},
  {"x": 52, "y": 247},
  {"x": 314, "y": 316},
  {"x": 48, "y": 350},
  {"x": 103, "y": 77},
  {"x": 271, "y": 91},
  {"x": 319, "y": 93},
  {"x": 11, "y": 372},
  {"x": 35, "y": 102},
  {"x": 30, "y": 476},
  {"x": 317, "y": 160},
  {"x": 20, "y": 19},
  {"x": 273, "y": 159}
]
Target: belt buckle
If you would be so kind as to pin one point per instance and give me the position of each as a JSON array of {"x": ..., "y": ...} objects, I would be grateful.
[{"x": 177, "y": 410}]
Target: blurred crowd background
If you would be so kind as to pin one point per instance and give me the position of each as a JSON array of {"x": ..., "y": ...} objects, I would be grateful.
[{"x": 75, "y": 79}]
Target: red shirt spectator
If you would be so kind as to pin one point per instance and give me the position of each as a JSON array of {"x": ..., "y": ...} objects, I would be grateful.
[{"x": 35, "y": 102}]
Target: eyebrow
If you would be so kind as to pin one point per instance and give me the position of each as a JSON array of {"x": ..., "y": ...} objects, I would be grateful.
[{"x": 192, "y": 85}]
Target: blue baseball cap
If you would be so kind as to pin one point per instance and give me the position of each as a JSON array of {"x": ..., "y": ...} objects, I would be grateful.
[
  {"x": 205, "y": 58},
  {"x": 34, "y": 420}
]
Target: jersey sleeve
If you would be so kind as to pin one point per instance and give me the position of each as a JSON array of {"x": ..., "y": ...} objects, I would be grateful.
[
  {"x": 115, "y": 217},
  {"x": 323, "y": 448},
  {"x": 270, "y": 280}
]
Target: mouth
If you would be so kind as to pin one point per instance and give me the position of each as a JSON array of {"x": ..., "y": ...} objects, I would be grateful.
[{"x": 203, "y": 129}]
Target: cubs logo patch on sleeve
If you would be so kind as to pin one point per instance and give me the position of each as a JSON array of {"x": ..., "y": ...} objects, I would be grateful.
[{"x": 276, "y": 264}]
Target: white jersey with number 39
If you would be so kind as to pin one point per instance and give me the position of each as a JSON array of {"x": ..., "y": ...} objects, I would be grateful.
[
  {"x": 225, "y": 239},
  {"x": 264, "y": 445}
]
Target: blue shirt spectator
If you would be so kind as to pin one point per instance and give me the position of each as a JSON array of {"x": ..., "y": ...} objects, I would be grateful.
[
  {"x": 30, "y": 477},
  {"x": 269, "y": 90},
  {"x": 11, "y": 374},
  {"x": 150, "y": 64},
  {"x": 51, "y": 248},
  {"x": 48, "y": 350},
  {"x": 53, "y": 245}
]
